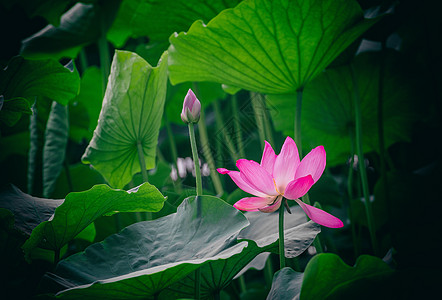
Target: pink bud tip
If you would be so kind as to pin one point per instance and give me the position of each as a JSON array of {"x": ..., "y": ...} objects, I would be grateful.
[{"x": 191, "y": 108}]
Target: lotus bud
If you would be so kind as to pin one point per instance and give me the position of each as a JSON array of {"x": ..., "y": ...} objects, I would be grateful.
[{"x": 191, "y": 108}]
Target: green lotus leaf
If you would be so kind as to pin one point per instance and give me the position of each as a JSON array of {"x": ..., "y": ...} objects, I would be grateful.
[
  {"x": 272, "y": 47},
  {"x": 286, "y": 284},
  {"x": 134, "y": 18},
  {"x": 30, "y": 78},
  {"x": 146, "y": 257},
  {"x": 130, "y": 118},
  {"x": 28, "y": 211},
  {"x": 11, "y": 110},
  {"x": 54, "y": 149},
  {"x": 328, "y": 277},
  {"x": 79, "y": 26},
  {"x": 80, "y": 209},
  {"x": 262, "y": 236},
  {"x": 51, "y": 10}
]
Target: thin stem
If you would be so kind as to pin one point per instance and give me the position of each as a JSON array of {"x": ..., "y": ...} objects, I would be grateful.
[
  {"x": 317, "y": 243},
  {"x": 160, "y": 154},
  {"x": 172, "y": 143},
  {"x": 199, "y": 187},
  {"x": 227, "y": 139},
  {"x": 236, "y": 123},
  {"x": 281, "y": 235},
  {"x": 351, "y": 196},
  {"x": 267, "y": 123},
  {"x": 381, "y": 112},
  {"x": 206, "y": 149},
  {"x": 103, "y": 49},
  {"x": 298, "y": 139},
  {"x": 382, "y": 150},
  {"x": 256, "y": 104},
  {"x": 142, "y": 162},
  {"x": 268, "y": 272},
  {"x": 242, "y": 284},
  {"x": 138, "y": 217},
  {"x": 83, "y": 60},
  {"x": 174, "y": 152},
  {"x": 361, "y": 160},
  {"x": 219, "y": 141}
]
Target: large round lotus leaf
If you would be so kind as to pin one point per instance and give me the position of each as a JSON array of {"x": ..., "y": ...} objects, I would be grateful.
[
  {"x": 266, "y": 46},
  {"x": 146, "y": 257},
  {"x": 262, "y": 236}
]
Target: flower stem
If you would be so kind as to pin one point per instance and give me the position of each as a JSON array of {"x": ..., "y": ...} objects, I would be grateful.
[
  {"x": 298, "y": 139},
  {"x": 382, "y": 151},
  {"x": 199, "y": 192},
  {"x": 147, "y": 215},
  {"x": 281, "y": 236},
  {"x": 103, "y": 50},
  {"x": 206, "y": 149},
  {"x": 317, "y": 243},
  {"x": 174, "y": 152},
  {"x": 219, "y": 141},
  {"x": 83, "y": 60},
  {"x": 199, "y": 187},
  {"x": 381, "y": 112},
  {"x": 142, "y": 161},
  {"x": 172, "y": 143},
  {"x": 242, "y": 284},
  {"x": 350, "y": 199},
  {"x": 257, "y": 108},
  {"x": 361, "y": 160},
  {"x": 267, "y": 122},
  {"x": 237, "y": 125},
  {"x": 227, "y": 139}
]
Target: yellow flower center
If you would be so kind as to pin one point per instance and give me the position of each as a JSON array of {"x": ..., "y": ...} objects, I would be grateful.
[{"x": 276, "y": 188}]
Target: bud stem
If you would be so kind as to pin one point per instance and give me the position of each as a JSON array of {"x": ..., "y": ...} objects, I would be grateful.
[{"x": 199, "y": 187}]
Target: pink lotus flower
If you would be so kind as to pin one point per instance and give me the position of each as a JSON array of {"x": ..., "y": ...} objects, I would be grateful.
[
  {"x": 280, "y": 176},
  {"x": 191, "y": 108}
]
